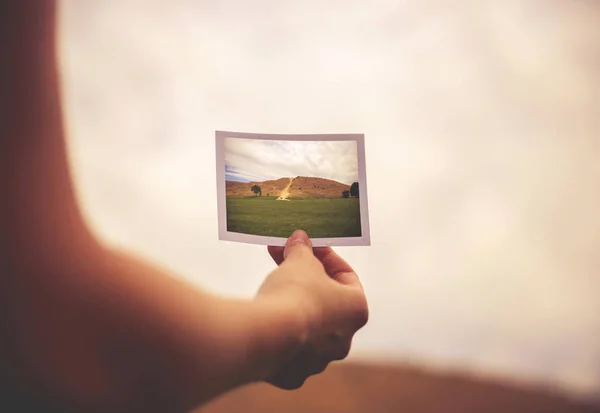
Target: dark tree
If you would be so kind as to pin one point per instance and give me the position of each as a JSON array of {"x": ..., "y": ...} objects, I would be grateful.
[
  {"x": 256, "y": 189},
  {"x": 346, "y": 194},
  {"x": 354, "y": 189}
]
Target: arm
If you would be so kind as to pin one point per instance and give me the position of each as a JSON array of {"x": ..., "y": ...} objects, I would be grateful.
[
  {"x": 115, "y": 334},
  {"x": 83, "y": 326},
  {"x": 112, "y": 333}
]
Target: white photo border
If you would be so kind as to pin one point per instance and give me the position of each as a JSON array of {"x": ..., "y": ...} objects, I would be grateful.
[{"x": 225, "y": 235}]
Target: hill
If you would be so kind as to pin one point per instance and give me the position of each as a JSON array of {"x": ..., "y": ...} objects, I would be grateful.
[
  {"x": 301, "y": 187},
  {"x": 269, "y": 188},
  {"x": 358, "y": 388},
  {"x": 306, "y": 187}
]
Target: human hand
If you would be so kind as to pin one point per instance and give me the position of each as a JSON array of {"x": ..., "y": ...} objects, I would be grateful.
[{"x": 326, "y": 291}]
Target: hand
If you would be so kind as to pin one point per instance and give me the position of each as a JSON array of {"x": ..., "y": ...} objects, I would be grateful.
[{"x": 328, "y": 293}]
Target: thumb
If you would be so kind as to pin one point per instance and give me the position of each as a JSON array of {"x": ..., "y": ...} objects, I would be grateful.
[{"x": 299, "y": 243}]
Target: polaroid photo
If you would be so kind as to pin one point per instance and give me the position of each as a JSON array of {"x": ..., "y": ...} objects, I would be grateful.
[{"x": 269, "y": 185}]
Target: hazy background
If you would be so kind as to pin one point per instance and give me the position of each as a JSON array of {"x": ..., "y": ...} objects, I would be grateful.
[{"x": 483, "y": 157}]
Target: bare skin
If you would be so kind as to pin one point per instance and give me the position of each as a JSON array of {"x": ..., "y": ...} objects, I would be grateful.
[{"x": 84, "y": 327}]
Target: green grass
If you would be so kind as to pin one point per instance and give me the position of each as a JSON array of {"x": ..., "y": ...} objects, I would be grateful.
[{"x": 319, "y": 217}]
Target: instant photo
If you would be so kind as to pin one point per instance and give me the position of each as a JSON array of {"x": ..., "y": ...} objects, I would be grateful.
[{"x": 270, "y": 185}]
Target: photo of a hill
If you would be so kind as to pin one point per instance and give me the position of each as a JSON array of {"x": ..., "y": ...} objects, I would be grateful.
[
  {"x": 275, "y": 187},
  {"x": 301, "y": 187},
  {"x": 351, "y": 387}
]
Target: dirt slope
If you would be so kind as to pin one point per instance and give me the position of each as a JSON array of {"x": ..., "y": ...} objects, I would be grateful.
[
  {"x": 269, "y": 188},
  {"x": 302, "y": 187},
  {"x": 305, "y": 187},
  {"x": 362, "y": 388}
]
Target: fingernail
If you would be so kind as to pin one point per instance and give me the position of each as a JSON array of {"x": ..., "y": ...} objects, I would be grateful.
[{"x": 299, "y": 236}]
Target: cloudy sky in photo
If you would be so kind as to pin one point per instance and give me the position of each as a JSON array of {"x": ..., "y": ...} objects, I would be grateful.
[
  {"x": 483, "y": 159},
  {"x": 260, "y": 159}
]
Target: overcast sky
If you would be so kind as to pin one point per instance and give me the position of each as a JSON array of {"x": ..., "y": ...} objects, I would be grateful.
[
  {"x": 259, "y": 159},
  {"x": 481, "y": 127}
]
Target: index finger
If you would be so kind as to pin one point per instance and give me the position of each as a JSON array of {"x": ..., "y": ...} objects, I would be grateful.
[
  {"x": 276, "y": 253},
  {"x": 333, "y": 263},
  {"x": 337, "y": 267}
]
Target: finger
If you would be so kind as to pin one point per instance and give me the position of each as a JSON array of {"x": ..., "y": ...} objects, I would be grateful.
[
  {"x": 337, "y": 267},
  {"x": 342, "y": 350},
  {"x": 317, "y": 368},
  {"x": 297, "y": 246},
  {"x": 287, "y": 382},
  {"x": 294, "y": 375},
  {"x": 276, "y": 253},
  {"x": 332, "y": 262},
  {"x": 291, "y": 376}
]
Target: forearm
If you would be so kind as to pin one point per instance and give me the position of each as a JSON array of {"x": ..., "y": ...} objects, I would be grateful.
[
  {"x": 200, "y": 345},
  {"x": 115, "y": 334},
  {"x": 38, "y": 196}
]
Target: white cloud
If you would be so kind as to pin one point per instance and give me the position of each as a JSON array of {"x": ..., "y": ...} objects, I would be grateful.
[{"x": 259, "y": 160}]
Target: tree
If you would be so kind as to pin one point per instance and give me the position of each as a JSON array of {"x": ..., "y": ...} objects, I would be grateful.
[
  {"x": 256, "y": 189},
  {"x": 354, "y": 189},
  {"x": 346, "y": 194}
]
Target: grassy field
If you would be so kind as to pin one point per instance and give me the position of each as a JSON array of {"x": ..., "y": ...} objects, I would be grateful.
[{"x": 319, "y": 217}]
